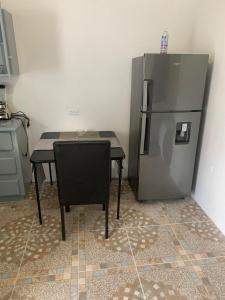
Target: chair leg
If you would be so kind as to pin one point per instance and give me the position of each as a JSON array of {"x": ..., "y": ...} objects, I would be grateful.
[
  {"x": 67, "y": 208},
  {"x": 103, "y": 207},
  {"x": 50, "y": 173},
  {"x": 107, "y": 220},
  {"x": 37, "y": 193},
  {"x": 63, "y": 223}
]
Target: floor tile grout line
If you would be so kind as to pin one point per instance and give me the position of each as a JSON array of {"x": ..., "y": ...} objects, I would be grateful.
[
  {"x": 179, "y": 241},
  {"x": 135, "y": 265},
  {"x": 188, "y": 255},
  {"x": 150, "y": 225},
  {"x": 24, "y": 251},
  {"x": 162, "y": 263}
]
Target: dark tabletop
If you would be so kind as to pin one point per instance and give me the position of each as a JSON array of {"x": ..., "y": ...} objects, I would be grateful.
[
  {"x": 56, "y": 134},
  {"x": 46, "y": 156}
]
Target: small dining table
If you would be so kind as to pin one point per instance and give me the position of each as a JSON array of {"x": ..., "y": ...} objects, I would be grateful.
[{"x": 44, "y": 154}]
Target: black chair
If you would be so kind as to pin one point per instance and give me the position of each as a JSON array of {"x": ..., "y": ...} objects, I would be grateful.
[{"x": 83, "y": 175}]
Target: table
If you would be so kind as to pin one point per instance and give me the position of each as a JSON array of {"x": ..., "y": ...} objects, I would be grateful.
[{"x": 40, "y": 157}]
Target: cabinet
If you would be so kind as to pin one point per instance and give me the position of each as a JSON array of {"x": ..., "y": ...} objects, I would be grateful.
[
  {"x": 8, "y": 55},
  {"x": 15, "y": 170}
]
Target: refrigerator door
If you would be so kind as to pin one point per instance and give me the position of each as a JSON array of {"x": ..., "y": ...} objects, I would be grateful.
[
  {"x": 177, "y": 81},
  {"x": 135, "y": 121},
  {"x": 167, "y": 164}
]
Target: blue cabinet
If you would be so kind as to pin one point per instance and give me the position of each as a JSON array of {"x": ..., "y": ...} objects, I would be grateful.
[{"x": 15, "y": 170}]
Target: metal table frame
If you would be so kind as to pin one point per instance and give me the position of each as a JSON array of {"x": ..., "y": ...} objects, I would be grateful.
[{"x": 47, "y": 157}]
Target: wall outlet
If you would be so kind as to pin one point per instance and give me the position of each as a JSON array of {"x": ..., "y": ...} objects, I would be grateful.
[{"x": 74, "y": 112}]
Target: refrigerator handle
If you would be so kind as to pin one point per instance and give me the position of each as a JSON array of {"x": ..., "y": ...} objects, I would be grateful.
[
  {"x": 146, "y": 96},
  {"x": 143, "y": 133},
  {"x": 143, "y": 128}
]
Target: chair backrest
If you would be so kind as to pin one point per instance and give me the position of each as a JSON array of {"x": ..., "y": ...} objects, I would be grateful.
[{"x": 83, "y": 171}]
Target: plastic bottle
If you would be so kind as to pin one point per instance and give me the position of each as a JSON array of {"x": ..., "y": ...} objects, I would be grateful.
[{"x": 164, "y": 42}]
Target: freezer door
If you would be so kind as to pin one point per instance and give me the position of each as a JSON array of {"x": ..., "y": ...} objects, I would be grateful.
[
  {"x": 167, "y": 164},
  {"x": 178, "y": 81}
]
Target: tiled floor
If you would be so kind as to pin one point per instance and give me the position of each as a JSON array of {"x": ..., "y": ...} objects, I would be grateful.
[{"x": 157, "y": 250}]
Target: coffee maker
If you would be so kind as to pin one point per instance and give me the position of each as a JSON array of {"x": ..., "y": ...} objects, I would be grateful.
[{"x": 5, "y": 114}]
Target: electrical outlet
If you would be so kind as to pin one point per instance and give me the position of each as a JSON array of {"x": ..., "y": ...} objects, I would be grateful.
[{"x": 74, "y": 112}]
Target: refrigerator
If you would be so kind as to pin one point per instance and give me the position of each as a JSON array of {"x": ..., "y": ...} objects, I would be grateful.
[{"x": 165, "y": 115}]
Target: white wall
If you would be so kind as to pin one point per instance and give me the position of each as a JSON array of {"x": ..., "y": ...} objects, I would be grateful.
[
  {"x": 76, "y": 55},
  {"x": 209, "y": 38}
]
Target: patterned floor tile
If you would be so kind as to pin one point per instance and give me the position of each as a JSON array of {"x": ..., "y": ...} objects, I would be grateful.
[
  {"x": 75, "y": 256},
  {"x": 8, "y": 279},
  {"x": 172, "y": 283},
  {"x": 52, "y": 222},
  {"x": 212, "y": 273},
  {"x": 173, "y": 260},
  {"x": 155, "y": 244},
  {"x": 200, "y": 240},
  {"x": 5, "y": 292},
  {"x": 17, "y": 227},
  {"x": 46, "y": 258},
  {"x": 127, "y": 196},
  {"x": 12, "y": 213},
  {"x": 48, "y": 196},
  {"x": 115, "y": 284},
  {"x": 92, "y": 217},
  {"x": 126, "y": 191},
  {"x": 43, "y": 291},
  {"x": 74, "y": 289},
  {"x": 49, "y": 191},
  {"x": 183, "y": 210},
  {"x": 95, "y": 252},
  {"x": 11, "y": 252},
  {"x": 143, "y": 214}
]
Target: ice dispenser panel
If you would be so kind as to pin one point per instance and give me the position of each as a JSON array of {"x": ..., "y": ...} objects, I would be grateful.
[{"x": 183, "y": 132}]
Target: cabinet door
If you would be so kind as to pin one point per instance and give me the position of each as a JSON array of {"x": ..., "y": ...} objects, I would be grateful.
[
  {"x": 6, "y": 143},
  {"x": 4, "y": 66},
  {"x": 9, "y": 187},
  {"x": 10, "y": 42},
  {"x": 8, "y": 55}
]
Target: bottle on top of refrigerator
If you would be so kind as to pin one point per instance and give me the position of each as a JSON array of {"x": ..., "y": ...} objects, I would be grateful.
[{"x": 164, "y": 42}]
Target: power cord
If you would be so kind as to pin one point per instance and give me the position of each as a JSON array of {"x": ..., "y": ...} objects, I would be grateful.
[{"x": 26, "y": 123}]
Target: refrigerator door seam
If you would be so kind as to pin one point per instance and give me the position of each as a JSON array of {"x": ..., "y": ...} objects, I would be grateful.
[{"x": 168, "y": 111}]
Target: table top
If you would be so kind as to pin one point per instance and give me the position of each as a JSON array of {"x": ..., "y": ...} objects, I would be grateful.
[
  {"x": 56, "y": 134},
  {"x": 46, "y": 156}
]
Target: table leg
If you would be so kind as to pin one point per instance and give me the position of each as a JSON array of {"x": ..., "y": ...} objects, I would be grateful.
[
  {"x": 37, "y": 192},
  {"x": 120, "y": 165},
  {"x": 50, "y": 173},
  {"x": 63, "y": 222},
  {"x": 107, "y": 219},
  {"x": 103, "y": 206}
]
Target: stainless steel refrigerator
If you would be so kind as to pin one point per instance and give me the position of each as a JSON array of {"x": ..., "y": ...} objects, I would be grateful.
[{"x": 166, "y": 106}]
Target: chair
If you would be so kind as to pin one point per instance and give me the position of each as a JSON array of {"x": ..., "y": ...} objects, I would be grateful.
[{"x": 83, "y": 175}]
